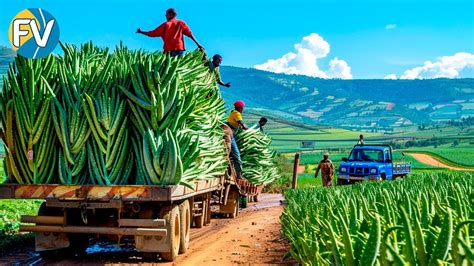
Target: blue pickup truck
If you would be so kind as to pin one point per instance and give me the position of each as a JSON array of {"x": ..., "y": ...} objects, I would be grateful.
[{"x": 370, "y": 162}]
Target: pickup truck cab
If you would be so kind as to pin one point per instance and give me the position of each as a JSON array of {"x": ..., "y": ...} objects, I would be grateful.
[{"x": 370, "y": 162}]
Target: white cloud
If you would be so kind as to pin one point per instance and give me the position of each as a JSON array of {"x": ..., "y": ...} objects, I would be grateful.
[
  {"x": 304, "y": 60},
  {"x": 445, "y": 67},
  {"x": 390, "y": 26},
  {"x": 339, "y": 69},
  {"x": 390, "y": 76}
]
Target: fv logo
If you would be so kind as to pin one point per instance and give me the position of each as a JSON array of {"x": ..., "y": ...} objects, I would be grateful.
[{"x": 34, "y": 33}]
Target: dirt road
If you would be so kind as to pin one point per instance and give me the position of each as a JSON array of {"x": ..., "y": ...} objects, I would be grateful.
[
  {"x": 430, "y": 160},
  {"x": 252, "y": 238}
]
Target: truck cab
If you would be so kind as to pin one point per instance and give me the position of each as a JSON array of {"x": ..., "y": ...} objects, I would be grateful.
[{"x": 370, "y": 162}]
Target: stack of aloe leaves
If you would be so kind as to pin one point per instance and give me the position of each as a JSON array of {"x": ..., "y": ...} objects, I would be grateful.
[
  {"x": 91, "y": 116},
  {"x": 258, "y": 159}
]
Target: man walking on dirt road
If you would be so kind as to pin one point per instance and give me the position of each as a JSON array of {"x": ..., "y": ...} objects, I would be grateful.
[
  {"x": 327, "y": 170},
  {"x": 172, "y": 32},
  {"x": 235, "y": 122}
]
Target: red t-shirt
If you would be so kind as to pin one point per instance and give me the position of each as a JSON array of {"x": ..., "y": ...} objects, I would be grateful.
[{"x": 171, "y": 32}]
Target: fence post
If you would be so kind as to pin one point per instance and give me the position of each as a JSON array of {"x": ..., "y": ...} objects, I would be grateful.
[{"x": 295, "y": 170}]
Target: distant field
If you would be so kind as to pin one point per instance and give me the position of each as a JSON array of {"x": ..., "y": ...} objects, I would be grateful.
[
  {"x": 462, "y": 154},
  {"x": 314, "y": 157},
  {"x": 287, "y": 139}
]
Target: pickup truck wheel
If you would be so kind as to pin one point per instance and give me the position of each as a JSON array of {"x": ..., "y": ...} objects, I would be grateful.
[
  {"x": 185, "y": 222},
  {"x": 383, "y": 176},
  {"x": 173, "y": 223},
  {"x": 200, "y": 220},
  {"x": 341, "y": 182}
]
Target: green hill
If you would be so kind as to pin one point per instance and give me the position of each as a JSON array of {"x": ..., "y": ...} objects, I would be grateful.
[
  {"x": 357, "y": 104},
  {"x": 351, "y": 103},
  {"x": 6, "y": 55}
]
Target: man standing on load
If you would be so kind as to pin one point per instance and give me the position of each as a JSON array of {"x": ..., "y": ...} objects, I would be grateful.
[
  {"x": 236, "y": 123},
  {"x": 172, "y": 32},
  {"x": 327, "y": 170}
]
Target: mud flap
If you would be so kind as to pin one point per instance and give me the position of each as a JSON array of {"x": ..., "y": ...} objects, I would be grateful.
[
  {"x": 152, "y": 244},
  {"x": 51, "y": 241}
]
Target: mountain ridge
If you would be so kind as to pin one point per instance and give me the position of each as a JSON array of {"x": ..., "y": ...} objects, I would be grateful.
[
  {"x": 356, "y": 103},
  {"x": 351, "y": 103}
]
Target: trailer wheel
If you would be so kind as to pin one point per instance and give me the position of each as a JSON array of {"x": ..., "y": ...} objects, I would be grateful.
[
  {"x": 173, "y": 223},
  {"x": 185, "y": 222},
  {"x": 255, "y": 198},
  {"x": 234, "y": 201},
  {"x": 235, "y": 210},
  {"x": 200, "y": 220},
  {"x": 244, "y": 201}
]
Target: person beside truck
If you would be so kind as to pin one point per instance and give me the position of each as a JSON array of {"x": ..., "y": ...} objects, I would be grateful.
[{"x": 327, "y": 170}]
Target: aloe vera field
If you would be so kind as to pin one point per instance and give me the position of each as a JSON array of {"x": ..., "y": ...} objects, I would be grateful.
[{"x": 424, "y": 219}]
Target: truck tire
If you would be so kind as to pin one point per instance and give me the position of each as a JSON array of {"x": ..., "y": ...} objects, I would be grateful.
[
  {"x": 255, "y": 198},
  {"x": 207, "y": 221},
  {"x": 234, "y": 201},
  {"x": 185, "y": 222},
  {"x": 243, "y": 201},
  {"x": 172, "y": 219},
  {"x": 235, "y": 211},
  {"x": 200, "y": 221}
]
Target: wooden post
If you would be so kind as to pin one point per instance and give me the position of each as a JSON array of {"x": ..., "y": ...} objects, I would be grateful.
[{"x": 295, "y": 170}]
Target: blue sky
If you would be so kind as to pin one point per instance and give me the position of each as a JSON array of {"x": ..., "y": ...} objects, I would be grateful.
[{"x": 248, "y": 33}]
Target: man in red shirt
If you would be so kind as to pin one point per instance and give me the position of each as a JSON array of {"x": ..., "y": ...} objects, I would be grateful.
[{"x": 172, "y": 32}]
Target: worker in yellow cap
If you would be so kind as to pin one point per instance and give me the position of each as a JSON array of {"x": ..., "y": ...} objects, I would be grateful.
[{"x": 235, "y": 122}]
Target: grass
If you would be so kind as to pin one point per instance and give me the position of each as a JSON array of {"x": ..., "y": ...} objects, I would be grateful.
[
  {"x": 344, "y": 225},
  {"x": 461, "y": 155},
  {"x": 10, "y": 213},
  {"x": 306, "y": 180}
]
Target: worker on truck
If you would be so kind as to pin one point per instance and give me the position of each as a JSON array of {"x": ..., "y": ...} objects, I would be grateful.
[
  {"x": 172, "y": 32},
  {"x": 213, "y": 66},
  {"x": 327, "y": 170},
  {"x": 236, "y": 123},
  {"x": 261, "y": 123}
]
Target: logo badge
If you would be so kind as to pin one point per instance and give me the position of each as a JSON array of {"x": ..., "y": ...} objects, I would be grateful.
[{"x": 34, "y": 33}]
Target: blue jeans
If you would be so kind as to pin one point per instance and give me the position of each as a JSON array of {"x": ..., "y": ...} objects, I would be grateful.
[
  {"x": 235, "y": 156},
  {"x": 177, "y": 53}
]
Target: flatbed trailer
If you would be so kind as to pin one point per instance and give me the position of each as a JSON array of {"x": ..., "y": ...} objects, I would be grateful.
[{"x": 157, "y": 218}]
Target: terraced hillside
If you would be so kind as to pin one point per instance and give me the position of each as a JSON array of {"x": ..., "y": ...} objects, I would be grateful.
[{"x": 351, "y": 103}]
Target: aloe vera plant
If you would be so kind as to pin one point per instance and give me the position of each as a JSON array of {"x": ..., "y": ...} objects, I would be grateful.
[
  {"x": 424, "y": 219},
  {"x": 91, "y": 116}
]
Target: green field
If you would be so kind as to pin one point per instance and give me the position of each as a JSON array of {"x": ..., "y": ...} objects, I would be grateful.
[
  {"x": 452, "y": 144},
  {"x": 462, "y": 154},
  {"x": 420, "y": 220}
]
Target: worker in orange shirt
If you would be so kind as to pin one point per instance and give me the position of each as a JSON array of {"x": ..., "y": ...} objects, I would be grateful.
[
  {"x": 172, "y": 32},
  {"x": 235, "y": 122}
]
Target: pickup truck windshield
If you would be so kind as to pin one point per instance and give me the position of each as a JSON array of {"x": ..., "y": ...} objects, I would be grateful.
[{"x": 366, "y": 155}]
